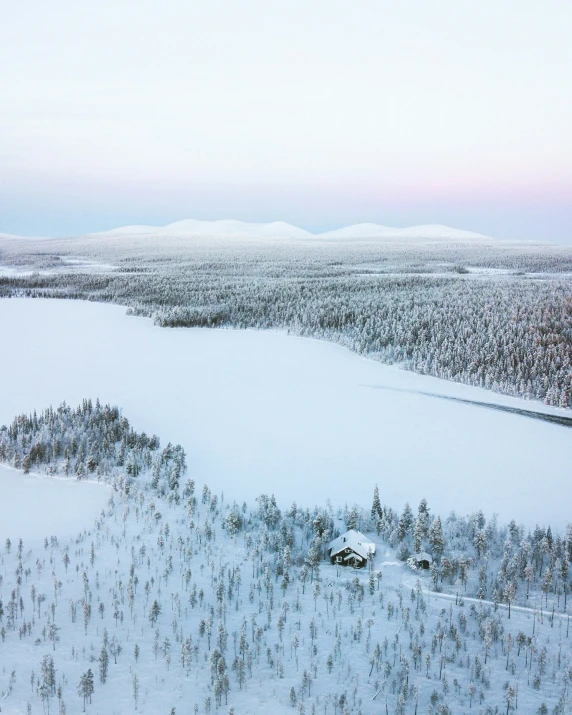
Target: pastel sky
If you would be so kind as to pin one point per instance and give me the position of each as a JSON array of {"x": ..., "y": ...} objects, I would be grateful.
[{"x": 318, "y": 113}]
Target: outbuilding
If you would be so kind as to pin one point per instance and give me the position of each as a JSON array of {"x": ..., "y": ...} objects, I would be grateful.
[{"x": 423, "y": 560}]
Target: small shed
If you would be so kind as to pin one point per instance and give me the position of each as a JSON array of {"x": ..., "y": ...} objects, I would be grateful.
[
  {"x": 423, "y": 560},
  {"x": 351, "y": 549}
]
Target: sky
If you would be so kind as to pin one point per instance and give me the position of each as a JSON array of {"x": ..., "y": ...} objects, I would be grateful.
[{"x": 322, "y": 114}]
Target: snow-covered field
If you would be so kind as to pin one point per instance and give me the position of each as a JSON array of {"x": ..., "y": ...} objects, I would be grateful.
[
  {"x": 266, "y": 412},
  {"x": 169, "y": 612},
  {"x": 66, "y": 264},
  {"x": 206, "y": 606},
  {"x": 35, "y": 507}
]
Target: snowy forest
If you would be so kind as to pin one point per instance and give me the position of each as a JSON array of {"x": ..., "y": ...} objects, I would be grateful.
[
  {"x": 176, "y": 600},
  {"x": 492, "y": 314}
]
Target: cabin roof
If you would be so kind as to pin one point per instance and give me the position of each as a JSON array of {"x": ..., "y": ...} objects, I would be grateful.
[
  {"x": 423, "y": 556},
  {"x": 354, "y": 540}
]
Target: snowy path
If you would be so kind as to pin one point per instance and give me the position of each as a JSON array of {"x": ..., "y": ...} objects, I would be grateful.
[
  {"x": 409, "y": 578},
  {"x": 521, "y": 609},
  {"x": 561, "y": 420}
]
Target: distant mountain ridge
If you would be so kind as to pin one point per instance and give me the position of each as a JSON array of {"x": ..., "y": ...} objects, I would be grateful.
[
  {"x": 14, "y": 237},
  {"x": 374, "y": 230},
  {"x": 281, "y": 229},
  {"x": 278, "y": 230},
  {"x": 194, "y": 227}
]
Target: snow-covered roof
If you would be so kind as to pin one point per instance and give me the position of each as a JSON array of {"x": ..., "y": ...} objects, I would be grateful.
[
  {"x": 354, "y": 540},
  {"x": 423, "y": 556},
  {"x": 353, "y": 556}
]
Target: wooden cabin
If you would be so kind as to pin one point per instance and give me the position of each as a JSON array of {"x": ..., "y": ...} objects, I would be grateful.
[
  {"x": 351, "y": 549},
  {"x": 423, "y": 560}
]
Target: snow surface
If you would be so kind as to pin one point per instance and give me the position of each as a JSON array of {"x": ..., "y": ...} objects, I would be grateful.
[
  {"x": 75, "y": 596},
  {"x": 267, "y": 412},
  {"x": 373, "y": 230},
  {"x": 11, "y": 271},
  {"x": 67, "y": 265},
  {"x": 12, "y": 237},
  {"x": 279, "y": 229},
  {"x": 36, "y": 506},
  {"x": 192, "y": 227}
]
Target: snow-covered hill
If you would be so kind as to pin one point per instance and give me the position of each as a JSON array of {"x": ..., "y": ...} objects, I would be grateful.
[
  {"x": 280, "y": 229},
  {"x": 374, "y": 230},
  {"x": 14, "y": 237},
  {"x": 192, "y": 227},
  {"x": 177, "y": 600}
]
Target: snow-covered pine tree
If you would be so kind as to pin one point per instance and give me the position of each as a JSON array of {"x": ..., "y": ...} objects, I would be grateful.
[{"x": 376, "y": 510}]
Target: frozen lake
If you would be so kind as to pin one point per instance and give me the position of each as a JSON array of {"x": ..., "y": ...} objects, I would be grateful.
[{"x": 300, "y": 418}]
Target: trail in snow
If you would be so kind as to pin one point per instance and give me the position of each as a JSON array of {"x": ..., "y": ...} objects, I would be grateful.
[{"x": 533, "y": 414}]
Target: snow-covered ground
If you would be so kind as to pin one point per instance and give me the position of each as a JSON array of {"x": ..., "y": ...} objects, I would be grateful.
[
  {"x": 35, "y": 506},
  {"x": 68, "y": 265},
  {"x": 266, "y": 412},
  {"x": 280, "y": 229},
  {"x": 150, "y": 597},
  {"x": 11, "y": 271},
  {"x": 83, "y": 264}
]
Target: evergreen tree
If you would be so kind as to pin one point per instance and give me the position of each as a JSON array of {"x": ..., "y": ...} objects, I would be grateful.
[
  {"x": 423, "y": 517},
  {"x": 154, "y": 612},
  {"x": 103, "y": 663},
  {"x": 352, "y": 520},
  {"x": 405, "y": 522},
  {"x": 85, "y": 687},
  {"x": 313, "y": 559},
  {"x": 435, "y": 538},
  {"x": 376, "y": 510},
  {"x": 48, "y": 674}
]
